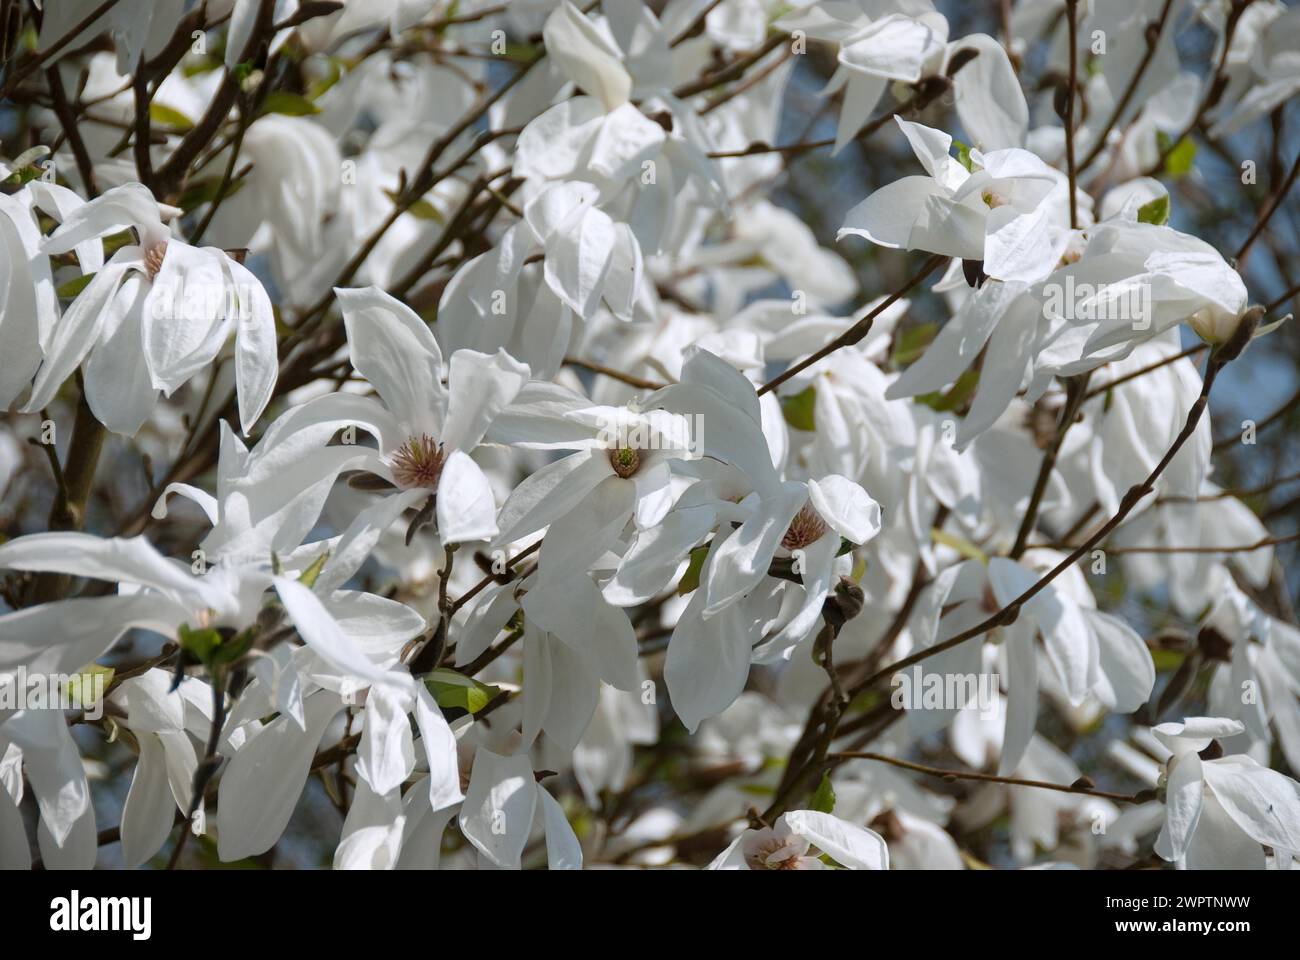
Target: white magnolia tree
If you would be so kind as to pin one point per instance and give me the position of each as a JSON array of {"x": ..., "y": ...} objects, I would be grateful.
[{"x": 454, "y": 434}]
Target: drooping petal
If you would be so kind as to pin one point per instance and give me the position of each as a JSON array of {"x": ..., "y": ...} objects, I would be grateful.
[
  {"x": 439, "y": 745},
  {"x": 498, "y": 812},
  {"x": 1022, "y": 695},
  {"x": 79, "y": 328},
  {"x": 1184, "y": 797},
  {"x": 847, "y": 844},
  {"x": 707, "y": 663},
  {"x": 563, "y": 851},
  {"x": 264, "y": 780},
  {"x": 466, "y": 508},
  {"x": 150, "y": 810},
  {"x": 117, "y": 379},
  {"x": 256, "y": 366}
]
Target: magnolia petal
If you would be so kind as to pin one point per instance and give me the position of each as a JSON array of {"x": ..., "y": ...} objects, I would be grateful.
[
  {"x": 847, "y": 844},
  {"x": 321, "y": 632},
  {"x": 150, "y": 810},
  {"x": 585, "y": 56},
  {"x": 498, "y": 812},
  {"x": 439, "y": 745},
  {"x": 888, "y": 215},
  {"x": 563, "y": 851},
  {"x": 263, "y": 781},
  {"x": 1264, "y": 803},
  {"x": 466, "y": 508},
  {"x": 479, "y": 387},
  {"x": 393, "y": 349},
  {"x": 256, "y": 366},
  {"x": 707, "y": 663},
  {"x": 846, "y": 507},
  {"x": 1184, "y": 797}
]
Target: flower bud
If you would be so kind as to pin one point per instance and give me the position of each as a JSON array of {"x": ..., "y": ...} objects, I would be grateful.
[{"x": 1216, "y": 327}]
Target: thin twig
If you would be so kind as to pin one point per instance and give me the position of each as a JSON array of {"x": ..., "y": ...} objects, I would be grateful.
[{"x": 1076, "y": 787}]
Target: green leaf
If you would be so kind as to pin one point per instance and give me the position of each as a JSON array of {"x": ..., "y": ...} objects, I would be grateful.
[
  {"x": 798, "y": 409},
  {"x": 1179, "y": 161},
  {"x": 912, "y": 343},
  {"x": 859, "y": 569},
  {"x": 963, "y": 155},
  {"x": 823, "y": 800},
  {"x": 82, "y": 687},
  {"x": 1155, "y": 211},
  {"x": 423, "y": 210},
  {"x": 1167, "y": 661},
  {"x": 201, "y": 644},
  {"x": 320, "y": 86},
  {"x": 168, "y": 116},
  {"x": 73, "y": 287},
  {"x": 211, "y": 648},
  {"x": 27, "y": 166},
  {"x": 308, "y": 578},
  {"x": 205, "y": 191},
  {"x": 452, "y": 689},
  {"x": 289, "y": 104},
  {"x": 691, "y": 578},
  {"x": 961, "y": 391},
  {"x": 960, "y": 544},
  {"x": 232, "y": 648}
]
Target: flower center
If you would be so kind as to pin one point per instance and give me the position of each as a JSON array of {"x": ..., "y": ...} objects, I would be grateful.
[
  {"x": 417, "y": 463},
  {"x": 153, "y": 258},
  {"x": 994, "y": 200},
  {"x": 806, "y": 527},
  {"x": 773, "y": 853},
  {"x": 626, "y": 461}
]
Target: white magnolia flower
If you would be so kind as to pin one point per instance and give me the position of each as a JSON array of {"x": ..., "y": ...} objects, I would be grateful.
[
  {"x": 502, "y": 804},
  {"x": 1087, "y": 651},
  {"x": 1267, "y": 47},
  {"x": 786, "y": 845},
  {"x": 28, "y": 307},
  {"x": 153, "y": 316},
  {"x": 426, "y": 429},
  {"x": 140, "y": 28},
  {"x": 1008, "y": 209},
  {"x": 1219, "y": 811}
]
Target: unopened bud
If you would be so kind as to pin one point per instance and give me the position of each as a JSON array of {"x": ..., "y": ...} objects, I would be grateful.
[{"x": 1232, "y": 341}]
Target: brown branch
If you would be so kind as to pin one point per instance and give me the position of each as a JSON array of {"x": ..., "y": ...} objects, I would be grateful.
[
  {"x": 1080, "y": 786},
  {"x": 68, "y": 121},
  {"x": 855, "y": 333},
  {"x": 1135, "y": 495},
  {"x": 1076, "y": 393},
  {"x": 731, "y": 71},
  {"x": 32, "y": 65},
  {"x": 1270, "y": 206},
  {"x": 1072, "y": 18},
  {"x": 1189, "y": 352},
  {"x": 1153, "y": 32},
  {"x": 630, "y": 379}
]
